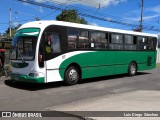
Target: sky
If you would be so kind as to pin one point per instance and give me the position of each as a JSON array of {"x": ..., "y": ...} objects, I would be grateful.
[{"x": 113, "y": 12}]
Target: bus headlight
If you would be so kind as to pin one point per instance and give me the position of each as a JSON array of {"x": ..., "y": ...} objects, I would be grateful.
[{"x": 35, "y": 74}]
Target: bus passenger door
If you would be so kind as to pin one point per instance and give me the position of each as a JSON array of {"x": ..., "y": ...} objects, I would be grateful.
[{"x": 52, "y": 51}]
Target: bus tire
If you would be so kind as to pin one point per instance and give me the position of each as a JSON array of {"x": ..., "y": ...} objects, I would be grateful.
[
  {"x": 132, "y": 69},
  {"x": 71, "y": 75}
]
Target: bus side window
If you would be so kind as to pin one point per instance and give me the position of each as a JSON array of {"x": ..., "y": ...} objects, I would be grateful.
[
  {"x": 116, "y": 42},
  {"x": 100, "y": 40},
  {"x": 158, "y": 43},
  {"x": 151, "y": 43},
  {"x": 48, "y": 43},
  {"x": 72, "y": 39},
  {"x": 52, "y": 43},
  {"x": 142, "y": 43},
  {"x": 83, "y": 41},
  {"x": 55, "y": 43},
  {"x": 129, "y": 42}
]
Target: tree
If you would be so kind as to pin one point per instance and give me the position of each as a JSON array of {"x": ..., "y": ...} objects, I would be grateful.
[
  {"x": 13, "y": 31},
  {"x": 71, "y": 16}
]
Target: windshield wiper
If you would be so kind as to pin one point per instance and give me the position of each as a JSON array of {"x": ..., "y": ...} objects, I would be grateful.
[{"x": 21, "y": 56}]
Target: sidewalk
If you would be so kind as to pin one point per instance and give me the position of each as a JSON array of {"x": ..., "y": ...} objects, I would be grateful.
[{"x": 4, "y": 77}]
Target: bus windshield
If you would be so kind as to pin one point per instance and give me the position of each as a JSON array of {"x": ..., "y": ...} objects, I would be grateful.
[{"x": 24, "y": 44}]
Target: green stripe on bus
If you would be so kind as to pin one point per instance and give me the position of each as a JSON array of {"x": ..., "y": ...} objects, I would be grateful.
[
  {"x": 23, "y": 32},
  {"x": 30, "y": 30},
  {"x": 103, "y": 63}
]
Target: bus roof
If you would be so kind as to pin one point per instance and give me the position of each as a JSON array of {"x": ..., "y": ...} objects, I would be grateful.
[{"x": 43, "y": 24}]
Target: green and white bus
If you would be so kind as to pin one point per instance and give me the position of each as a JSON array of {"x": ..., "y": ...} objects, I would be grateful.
[{"x": 49, "y": 51}]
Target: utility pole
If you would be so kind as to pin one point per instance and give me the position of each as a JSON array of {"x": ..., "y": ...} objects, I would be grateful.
[
  {"x": 142, "y": 7},
  {"x": 10, "y": 22}
]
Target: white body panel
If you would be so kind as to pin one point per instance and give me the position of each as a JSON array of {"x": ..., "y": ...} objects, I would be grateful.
[
  {"x": 54, "y": 64},
  {"x": 43, "y": 24},
  {"x": 31, "y": 68}
]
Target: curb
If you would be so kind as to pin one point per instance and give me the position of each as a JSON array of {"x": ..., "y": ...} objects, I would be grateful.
[{"x": 4, "y": 77}]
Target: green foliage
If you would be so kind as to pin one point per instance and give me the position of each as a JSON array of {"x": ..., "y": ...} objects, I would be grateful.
[
  {"x": 71, "y": 16},
  {"x": 13, "y": 31}
]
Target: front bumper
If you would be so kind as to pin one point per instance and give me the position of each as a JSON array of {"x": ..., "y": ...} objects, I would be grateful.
[{"x": 26, "y": 78}]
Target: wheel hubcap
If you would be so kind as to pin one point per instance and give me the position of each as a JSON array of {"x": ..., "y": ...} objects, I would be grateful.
[
  {"x": 73, "y": 75},
  {"x": 133, "y": 69}
]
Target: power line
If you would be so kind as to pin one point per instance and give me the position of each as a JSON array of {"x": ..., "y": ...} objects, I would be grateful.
[
  {"x": 88, "y": 11},
  {"x": 101, "y": 14},
  {"x": 47, "y": 15},
  {"x": 96, "y": 12},
  {"x": 26, "y": 14},
  {"x": 132, "y": 21},
  {"x": 85, "y": 14},
  {"x": 52, "y": 7}
]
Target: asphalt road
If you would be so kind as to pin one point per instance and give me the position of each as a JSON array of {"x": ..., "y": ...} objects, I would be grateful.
[{"x": 17, "y": 96}]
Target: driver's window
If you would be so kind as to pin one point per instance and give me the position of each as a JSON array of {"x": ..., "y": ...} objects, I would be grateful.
[
  {"x": 55, "y": 43},
  {"x": 52, "y": 43},
  {"x": 48, "y": 39}
]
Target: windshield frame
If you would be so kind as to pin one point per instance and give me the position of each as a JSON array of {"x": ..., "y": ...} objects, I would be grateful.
[{"x": 20, "y": 36}]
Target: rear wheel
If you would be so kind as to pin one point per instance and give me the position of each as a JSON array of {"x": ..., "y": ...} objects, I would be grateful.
[
  {"x": 71, "y": 75},
  {"x": 132, "y": 69}
]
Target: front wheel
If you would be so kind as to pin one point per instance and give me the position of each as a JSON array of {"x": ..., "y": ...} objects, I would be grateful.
[
  {"x": 132, "y": 69},
  {"x": 71, "y": 75}
]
